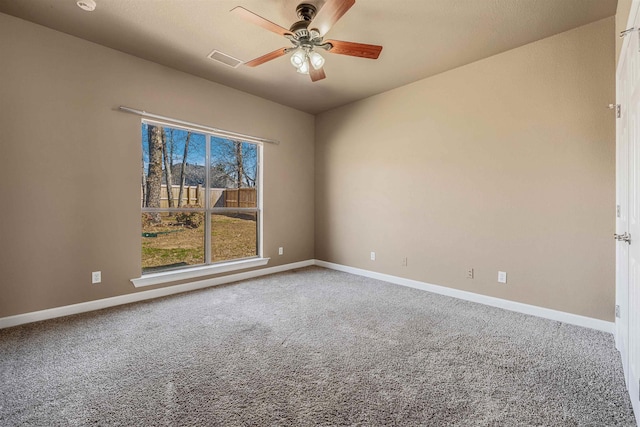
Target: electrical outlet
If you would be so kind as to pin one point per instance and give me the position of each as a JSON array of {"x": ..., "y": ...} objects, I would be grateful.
[
  {"x": 469, "y": 273},
  {"x": 373, "y": 256},
  {"x": 96, "y": 277},
  {"x": 280, "y": 250},
  {"x": 502, "y": 276},
  {"x": 404, "y": 261}
]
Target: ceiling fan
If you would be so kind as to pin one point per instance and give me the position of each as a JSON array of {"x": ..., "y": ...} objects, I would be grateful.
[{"x": 306, "y": 36}]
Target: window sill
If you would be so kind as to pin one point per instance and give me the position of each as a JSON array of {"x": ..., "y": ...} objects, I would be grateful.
[{"x": 195, "y": 272}]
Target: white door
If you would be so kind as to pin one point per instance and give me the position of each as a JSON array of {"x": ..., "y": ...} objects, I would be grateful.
[
  {"x": 633, "y": 119},
  {"x": 628, "y": 197},
  {"x": 622, "y": 213}
]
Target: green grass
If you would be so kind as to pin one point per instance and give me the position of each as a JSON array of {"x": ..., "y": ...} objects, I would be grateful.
[
  {"x": 170, "y": 255},
  {"x": 231, "y": 238}
]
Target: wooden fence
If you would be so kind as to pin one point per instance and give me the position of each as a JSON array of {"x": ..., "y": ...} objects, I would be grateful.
[
  {"x": 220, "y": 197},
  {"x": 240, "y": 198}
]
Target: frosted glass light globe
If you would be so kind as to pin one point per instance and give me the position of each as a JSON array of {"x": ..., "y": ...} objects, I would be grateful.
[
  {"x": 317, "y": 61},
  {"x": 298, "y": 58},
  {"x": 304, "y": 68}
]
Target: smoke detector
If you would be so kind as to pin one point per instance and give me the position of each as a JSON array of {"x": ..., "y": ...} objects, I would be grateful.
[{"x": 88, "y": 5}]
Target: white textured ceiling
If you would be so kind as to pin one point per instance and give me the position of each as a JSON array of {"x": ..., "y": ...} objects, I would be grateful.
[{"x": 421, "y": 38}]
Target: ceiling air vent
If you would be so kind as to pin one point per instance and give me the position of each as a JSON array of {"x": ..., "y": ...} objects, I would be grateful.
[{"x": 216, "y": 55}]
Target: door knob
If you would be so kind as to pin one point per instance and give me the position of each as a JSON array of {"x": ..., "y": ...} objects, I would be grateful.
[{"x": 626, "y": 237}]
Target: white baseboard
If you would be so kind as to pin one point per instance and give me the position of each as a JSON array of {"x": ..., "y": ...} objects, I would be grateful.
[
  {"x": 574, "y": 319},
  {"x": 35, "y": 316},
  {"x": 533, "y": 310}
]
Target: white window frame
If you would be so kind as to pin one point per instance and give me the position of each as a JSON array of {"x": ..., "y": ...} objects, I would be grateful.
[{"x": 211, "y": 268}]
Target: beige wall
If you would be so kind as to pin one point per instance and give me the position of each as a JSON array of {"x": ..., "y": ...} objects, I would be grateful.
[
  {"x": 70, "y": 163},
  {"x": 504, "y": 164}
]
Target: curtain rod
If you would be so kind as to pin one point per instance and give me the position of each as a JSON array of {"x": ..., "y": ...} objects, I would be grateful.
[{"x": 195, "y": 125}]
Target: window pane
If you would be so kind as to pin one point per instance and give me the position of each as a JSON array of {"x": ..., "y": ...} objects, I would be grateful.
[
  {"x": 173, "y": 167},
  {"x": 172, "y": 240},
  {"x": 233, "y": 235},
  {"x": 175, "y": 178},
  {"x": 233, "y": 174}
]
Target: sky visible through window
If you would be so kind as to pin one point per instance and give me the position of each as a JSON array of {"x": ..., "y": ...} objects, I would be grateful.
[{"x": 226, "y": 172}]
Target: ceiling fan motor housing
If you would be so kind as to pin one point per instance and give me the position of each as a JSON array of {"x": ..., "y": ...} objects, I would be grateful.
[
  {"x": 300, "y": 29},
  {"x": 303, "y": 36},
  {"x": 306, "y": 12}
]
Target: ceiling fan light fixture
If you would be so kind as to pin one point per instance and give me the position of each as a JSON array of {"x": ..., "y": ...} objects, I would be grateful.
[
  {"x": 317, "y": 61},
  {"x": 298, "y": 58},
  {"x": 307, "y": 36}
]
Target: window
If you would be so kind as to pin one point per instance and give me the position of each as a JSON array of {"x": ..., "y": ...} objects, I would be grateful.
[{"x": 200, "y": 198}]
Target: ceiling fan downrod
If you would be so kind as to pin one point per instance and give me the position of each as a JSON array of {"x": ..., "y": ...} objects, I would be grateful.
[{"x": 306, "y": 11}]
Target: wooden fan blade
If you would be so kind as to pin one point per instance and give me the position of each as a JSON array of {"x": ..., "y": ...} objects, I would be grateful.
[
  {"x": 267, "y": 57},
  {"x": 317, "y": 74},
  {"x": 362, "y": 50},
  {"x": 259, "y": 20},
  {"x": 329, "y": 15}
]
